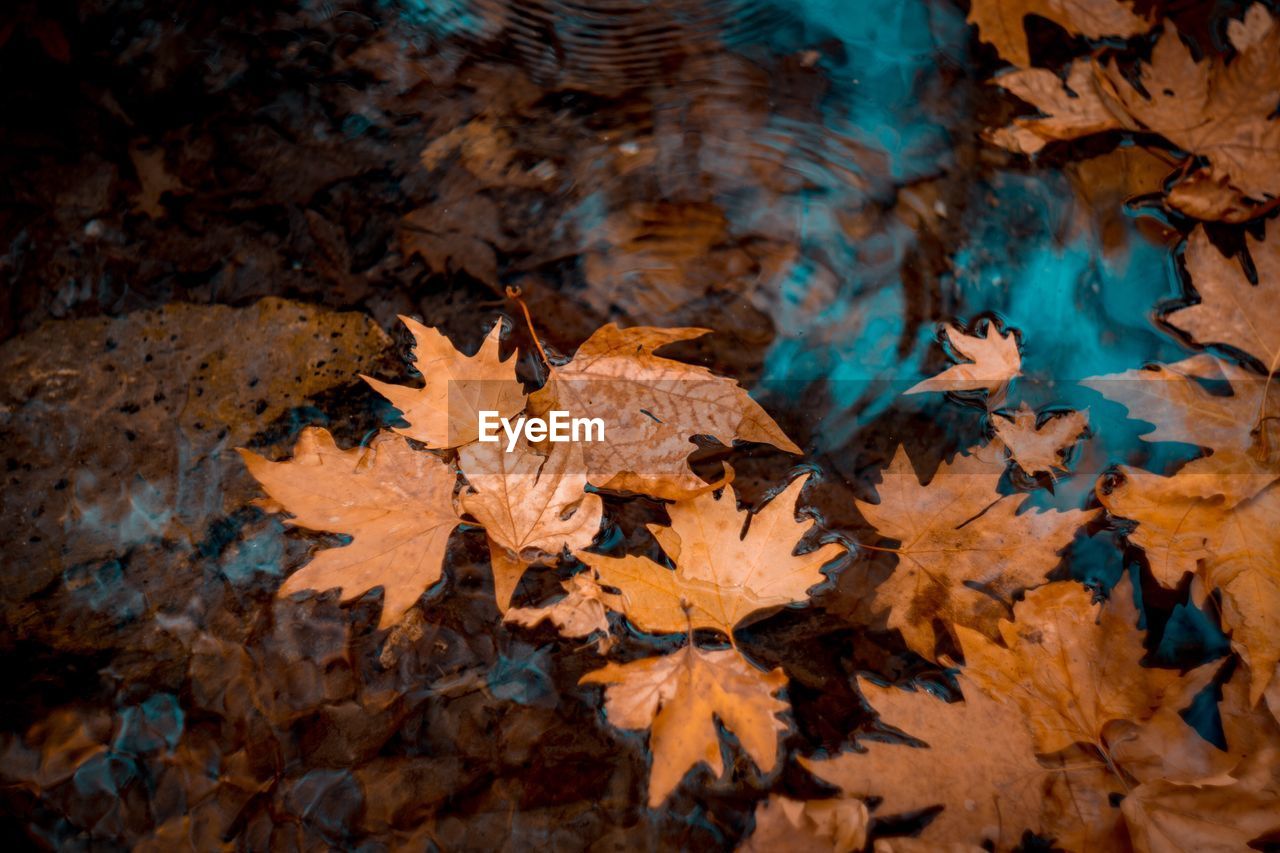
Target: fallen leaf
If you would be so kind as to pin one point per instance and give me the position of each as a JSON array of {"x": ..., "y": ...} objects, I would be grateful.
[
  {"x": 395, "y": 502},
  {"x": 680, "y": 697},
  {"x": 1221, "y": 814},
  {"x": 1068, "y": 110},
  {"x": 907, "y": 844},
  {"x": 579, "y": 614},
  {"x": 1072, "y": 667},
  {"x": 530, "y": 505},
  {"x": 1223, "y": 112},
  {"x": 1000, "y": 22},
  {"x": 652, "y": 407},
  {"x": 784, "y": 824},
  {"x": 729, "y": 564},
  {"x": 445, "y": 412},
  {"x": 455, "y": 235},
  {"x": 990, "y": 787},
  {"x": 1231, "y": 309},
  {"x": 955, "y": 534},
  {"x": 1233, "y": 547},
  {"x": 1040, "y": 449},
  {"x": 1176, "y": 399},
  {"x": 993, "y": 360}
]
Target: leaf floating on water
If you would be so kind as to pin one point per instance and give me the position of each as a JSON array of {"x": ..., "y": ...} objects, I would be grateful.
[
  {"x": 395, "y": 502},
  {"x": 680, "y": 696}
]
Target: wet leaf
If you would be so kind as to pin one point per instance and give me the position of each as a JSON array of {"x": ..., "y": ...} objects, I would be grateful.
[
  {"x": 964, "y": 548},
  {"x": 530, "y": 505},
  {"x": 784, "y": 824},
  {"x": 582, "y": 612},
  {"x": 395, "y": 502},
  {"x": 1000, "y": 22},
  {"x": 445, "y": 411},
  {"x": 993, "y": 360},
  {"x": 680, "y": 696},
  {"x": 991, "y": 788},
  {"x": 729, "y": 564},
  {"x": 651, "y": 406},
  {"x": 1040, "y": 449}
]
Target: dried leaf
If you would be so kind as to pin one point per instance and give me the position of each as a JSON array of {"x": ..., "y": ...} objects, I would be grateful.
[
  {"x": 1039, "y": 449},
  {"x": 395, "y": 502},
  {"x": 445, "y": 411},
  {"x": 726, "y": 569},
  {"x": 1220, "y": 814},
  {"x": 1000, "y": 22},
  {"x": 1234, "y": 548},
  {"x": 993, "y": 360},
  {"x": 798, "y": 826},
  {"x": 579, "y": 614},
  {"x": 652, "y": 407},
  {"x": 990, "y": 787},
  {"x": 1067, "y": 111},
  {"x": 956, "y": 533},
  {"x": 1175, "y": 399},
  {"x": 1232, "y": 310},
  {"x": 1071, "y": 667},
  {"x": 680, "y": 696},
  {"x": 529, "y": 504}
]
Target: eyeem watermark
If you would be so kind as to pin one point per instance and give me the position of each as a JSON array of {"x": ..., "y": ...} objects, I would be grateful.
[{"x": 557, "y": 426}]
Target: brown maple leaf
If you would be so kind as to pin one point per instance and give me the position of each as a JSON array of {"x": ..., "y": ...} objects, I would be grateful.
[
  {"x": 1040, "y": 448},
  {"x": 445, "y": 411},
  {"x": 1222, "y": 111},
  {"x": 1240, "y": 428},
  {"x": 838, "y": 825},
  {"x": 991, "y": 787},
  {"x": 726, "y": 568},
  {"x": 579, "y": 614},
  {"x": 955, "y": 534},
  {"x": 1232, "y": 310},
  {"x": 1000, "y": 22},
  {"x": 530, "y": 505},
  {"x": 652, "y": 407},
  {"x": 1073, "y": 668},
  {"x": 395, "y": 502},
  {"x": 680, "y": 697},
  {"x": 1222, "y": 813},
  {"x": 993, "y": 360},
  {"x": 1232, "y": 547}
]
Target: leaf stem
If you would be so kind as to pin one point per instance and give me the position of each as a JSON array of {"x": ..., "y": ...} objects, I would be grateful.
[{"x": 514, "y": 293}]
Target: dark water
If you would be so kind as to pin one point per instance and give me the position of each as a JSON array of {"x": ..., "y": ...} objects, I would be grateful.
[{"x": 826, "y": 152}]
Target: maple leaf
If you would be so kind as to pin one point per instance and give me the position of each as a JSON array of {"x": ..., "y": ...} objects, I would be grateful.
[
  {"x": 395, "y": 502},
  {"x": 956, "y": 533},
  {"x": 1071, "y": 667},
  {"x": 1232, "y": 310},
  {"x": 1221, "y": 111},
  {"x": 1175, "y": 399},
  {"x": 838, "y": 825},
  {"x": 1234, "y": 547},
  {"x": 1223, "y": 813},
  {"x": 579, "y": 614},
  {"x": 529, "y": 505},
  {"x": 456, "y": 233},
  {"x": 680, "y": 697},
  {"x": 1067, "y": 111},
  {"x": 445, "y": 411},
  {"x": 991, "y": 788},
  {"x": 1041, "y": 448},
  {"x": 652, "y": 407},
  {"x": 1225, "y": 112},
  {"x": 993, "y": 360},
  {"x": 726, "y": 569},
  {"x": 1000, "y": 22}
]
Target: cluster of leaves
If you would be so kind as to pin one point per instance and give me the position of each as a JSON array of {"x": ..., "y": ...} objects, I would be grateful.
[
  {"x": 1217, "y": 115},
  {"x": 400, "y": 497}
]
